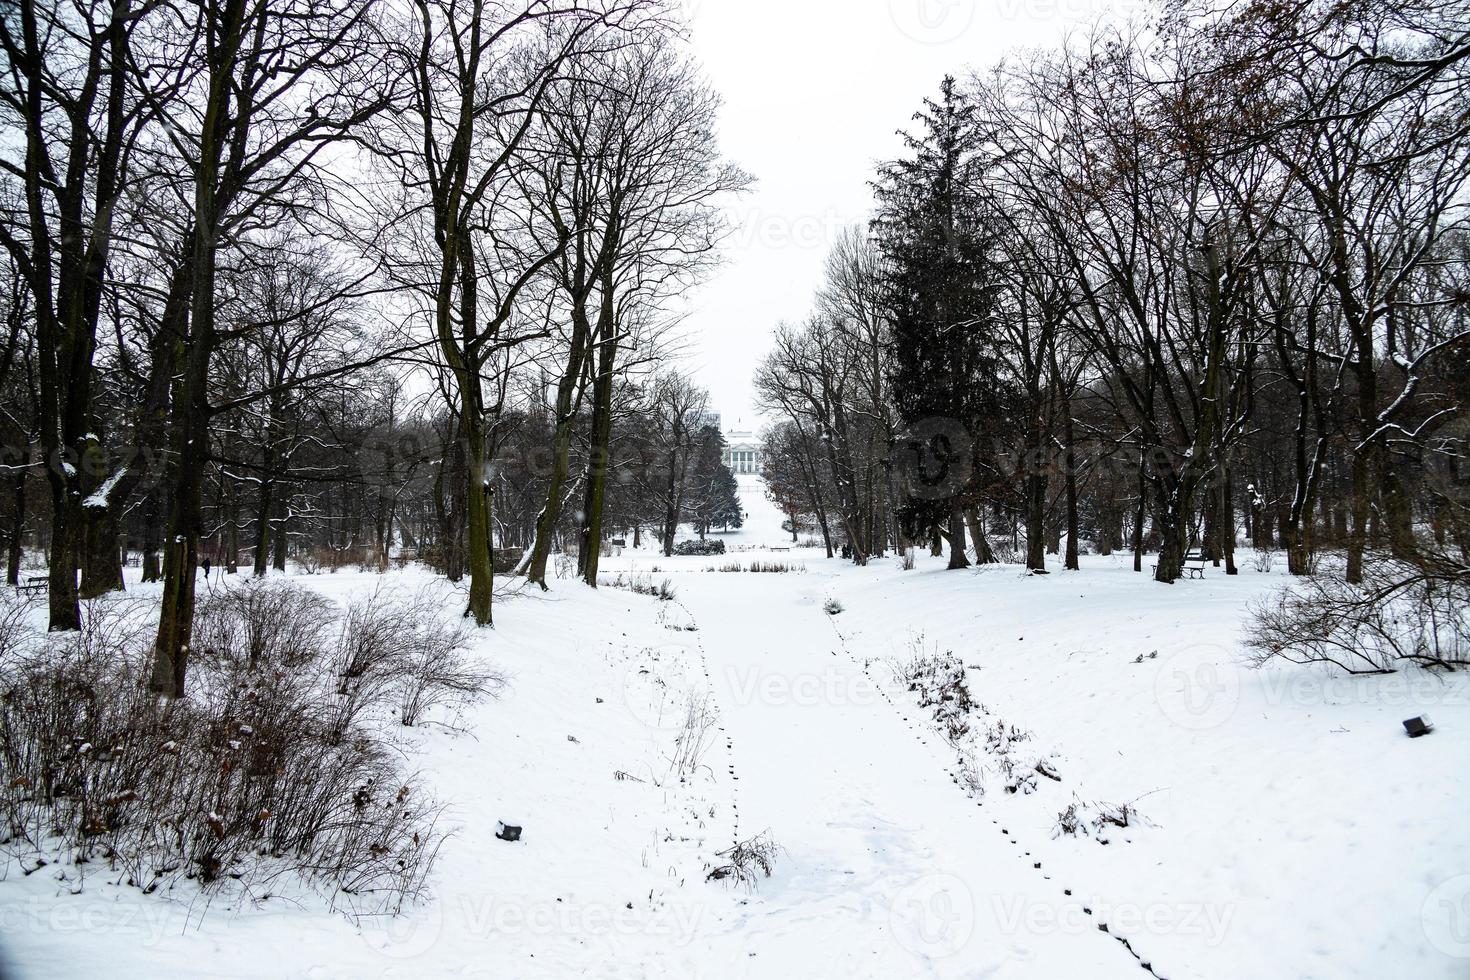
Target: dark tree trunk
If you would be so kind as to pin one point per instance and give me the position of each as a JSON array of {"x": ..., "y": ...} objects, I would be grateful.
[
  {"x": 1227, "y": 522},
  {"x": 1069, "y": 465},
  {"x": 983, "y": 553},
  {"x": 17, "y": 526},
  {"x": 263, "y": 537},
  {"x": 599, "y": 457},
  {"x": 957, "y": 558},
  {"x": 1035, "y": 513},
  {"x": 1139, "y": 515},
  {"x": 101, "y": 560},
  {"x": 568, "y": 394}
]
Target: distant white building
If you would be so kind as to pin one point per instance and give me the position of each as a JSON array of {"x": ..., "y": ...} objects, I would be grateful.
[{"x": 742, "y": 451}]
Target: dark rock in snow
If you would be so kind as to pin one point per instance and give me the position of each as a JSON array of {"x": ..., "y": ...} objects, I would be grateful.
[{"x": 1418, "y": 726}]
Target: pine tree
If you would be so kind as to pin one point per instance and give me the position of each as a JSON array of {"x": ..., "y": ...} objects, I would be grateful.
[{"x": 939, "y": 288}]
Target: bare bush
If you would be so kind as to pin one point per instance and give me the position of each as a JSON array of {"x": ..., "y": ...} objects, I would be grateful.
[
  {"x": 263, "y": 619},
  {"x": 747, "y": 862},
  {"x": 1094, "y": 820},
  {"x": 396, "y": 649},
  {"x": 1401, "y": 613},
  {"x": 255, "y": 779},
  {"x": 776, "y": 567},
  {"x": 695, "y": 736},
  {"x": 938, "y": 679},
  {"x": 662, "y": 590}
]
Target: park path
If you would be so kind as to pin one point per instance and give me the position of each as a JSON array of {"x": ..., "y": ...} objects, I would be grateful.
[{"x": 888, "y": 869}]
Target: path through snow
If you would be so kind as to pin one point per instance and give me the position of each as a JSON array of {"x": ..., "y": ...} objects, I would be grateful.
[{"x": 889, "y": 868}]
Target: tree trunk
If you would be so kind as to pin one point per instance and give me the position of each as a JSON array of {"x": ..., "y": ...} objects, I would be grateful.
[
  {"x": 280, "y": 536},
  {"x": 1070, "y": 562},
  {"x": 263, "y": 527},
  {"x": 100, "y": 560},
  {"x": 17, "y": 527},
  {"x": 1170, "y": 520},
  {"x": 152, "y": 567},
  {"x": 1140, "y": 513},
  {"x": 1361, "y": 503},
  {"x": 957, "y": 558},
  {"x": 477, "y": 520},
  {"x": 983, "y": 553},
  {"x": 568, "y": 394},
  {"x": 671, "y": 505},
  {"x": 1227, "y": 521},
  {"x": 65, "y": 612},
  {"x": 599, "y": 457},
  {"x": 1035, "y": 513},
  {"x": 190, "y": 453}
]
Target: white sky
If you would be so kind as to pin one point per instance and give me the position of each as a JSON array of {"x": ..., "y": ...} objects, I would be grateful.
[{"x": 814, "y": 91}]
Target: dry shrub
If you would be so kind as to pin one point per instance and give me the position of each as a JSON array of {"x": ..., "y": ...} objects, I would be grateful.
[
  {"x": 397, "y": 649},
  {"x": 939, "y": 681},
  {"x": 1098, "y": 820},
  {"x": 777, "y": 567},
  {"x": 747, "y": 862},
  {"x": 662, "y": 589},
  {"x": 267, "y": 774},
  {"x": 695, "y": 736},
  {"x": 1401, "y": 613},
  {"x": 268, "y": 619}
]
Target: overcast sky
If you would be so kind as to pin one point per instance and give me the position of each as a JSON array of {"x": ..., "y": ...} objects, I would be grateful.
[{"x": 814, "y": 91}]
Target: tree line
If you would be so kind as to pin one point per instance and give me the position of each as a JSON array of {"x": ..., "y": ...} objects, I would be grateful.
[
  {"x": 1166, "y": 285},
  {"x": 337, "y": 277}
]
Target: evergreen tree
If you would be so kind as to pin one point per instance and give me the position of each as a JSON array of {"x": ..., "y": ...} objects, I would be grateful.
[
  {"x": 723, "y": 509},
  {"x": 713, "y": 493},
  {"x": 939, "y": 288}
]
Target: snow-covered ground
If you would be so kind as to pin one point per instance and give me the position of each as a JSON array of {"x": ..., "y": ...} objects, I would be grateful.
[{"x": 1284, "y": 825}]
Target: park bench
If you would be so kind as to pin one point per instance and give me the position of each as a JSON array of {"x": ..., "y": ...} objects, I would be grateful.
[
  {"x": 1193, "y": 565},
  {"x": 34, "y": 583}
]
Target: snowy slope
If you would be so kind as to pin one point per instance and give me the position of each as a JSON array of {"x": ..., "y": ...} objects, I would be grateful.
[
  {"x": 1284, "y": 825},
  {"x": 600, "y": 883},
  {"x": 762, "y": 523}
]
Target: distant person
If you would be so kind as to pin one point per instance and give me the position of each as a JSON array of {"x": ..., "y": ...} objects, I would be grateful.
[{"x": 206, "y": 569}]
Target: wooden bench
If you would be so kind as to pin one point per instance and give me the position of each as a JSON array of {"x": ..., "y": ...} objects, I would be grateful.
[
  {"x": 780, "y": 549},
  {"x": 34, "y": 583},
  {"x": 1193, "y": 565}
]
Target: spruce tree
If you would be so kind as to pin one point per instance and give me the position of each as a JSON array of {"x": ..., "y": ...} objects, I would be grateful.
[{"x": 939, "y": 289}]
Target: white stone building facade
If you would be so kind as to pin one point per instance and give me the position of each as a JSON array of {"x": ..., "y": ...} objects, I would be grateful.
[{"x": 742, "y": 451}]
